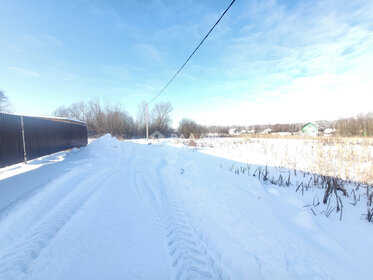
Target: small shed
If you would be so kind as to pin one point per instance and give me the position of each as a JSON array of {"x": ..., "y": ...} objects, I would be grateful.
[
  {"x": 310, "y": 128},
  {"x": 156, "y": 135},
  {"x": 233, "y": 131},
  {"x": 267, "y": 130},
  {"x": 329, "y": 131}
]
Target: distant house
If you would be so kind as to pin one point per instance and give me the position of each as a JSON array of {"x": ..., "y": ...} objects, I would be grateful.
[
  {"x": 209, "y": 135},
  {"x": 233, "y": 131},
  {"x": 329, "y": 131},
  {"x": 267, "y": 131},
  {"x": 310, "y": 128},
  {"x": 173, "y": 135},
  {"x": 156, "y": 135}
]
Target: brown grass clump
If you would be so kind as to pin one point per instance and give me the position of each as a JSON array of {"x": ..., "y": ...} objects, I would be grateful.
[{"x": 192, "y": 143}]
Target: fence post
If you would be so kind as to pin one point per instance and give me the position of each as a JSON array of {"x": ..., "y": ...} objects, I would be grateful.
[{"x": 23, "y": 141}]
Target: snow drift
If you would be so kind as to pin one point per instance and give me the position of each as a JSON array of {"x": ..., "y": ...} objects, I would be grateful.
[{"x": 123, "y": 210}]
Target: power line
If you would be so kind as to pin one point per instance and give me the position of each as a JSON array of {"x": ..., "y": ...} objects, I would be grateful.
[{"x": 182, "y": 66}]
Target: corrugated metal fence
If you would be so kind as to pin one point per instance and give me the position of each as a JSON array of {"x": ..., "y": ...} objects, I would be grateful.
[
  {"x": 11, "y": 144},
  {"x": 24, "y": 138}
]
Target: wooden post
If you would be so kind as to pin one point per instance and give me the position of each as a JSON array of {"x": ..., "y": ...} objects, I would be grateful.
[
  {"x": 23, "y": 141},
  {"x": 147, "y": 122}
]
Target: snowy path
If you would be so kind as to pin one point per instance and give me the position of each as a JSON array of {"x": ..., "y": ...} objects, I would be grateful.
[{"x": 121, "y": 210}]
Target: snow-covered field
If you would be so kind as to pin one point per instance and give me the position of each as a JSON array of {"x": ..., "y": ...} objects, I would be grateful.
[
  {"x": 127, "y": 210},
  {"x": 347, "y": 158}
]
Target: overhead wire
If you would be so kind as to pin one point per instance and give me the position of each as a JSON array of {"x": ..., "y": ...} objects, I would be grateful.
[{"x": 182, "y": 66}]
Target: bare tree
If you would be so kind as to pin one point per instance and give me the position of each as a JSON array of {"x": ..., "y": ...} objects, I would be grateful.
[
  {"x": 76, "y": 111},
  {"x": 140, "y": 119},
  {"x": 116, "y": 121},
  {"x": 96, "y": 117},
  {"x": 100, "y": 120},
  {"x": 62, "y": 112},
  {"x": 187, "y": 127},
  {"x": 119, "y": 122},
  {"x": 161, "y": 118},
  {"x": 362, "y": 125},
  {"x": 4, "y": 103},
  {"x": 79, "y": 111}
]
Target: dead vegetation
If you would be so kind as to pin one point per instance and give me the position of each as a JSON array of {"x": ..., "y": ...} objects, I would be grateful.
[
  {"x": 350, "y": 159},
  {"x": 334, "y": 188},
  {"x": 192, "y": 143},
  {"x": 342, "y": 167}
]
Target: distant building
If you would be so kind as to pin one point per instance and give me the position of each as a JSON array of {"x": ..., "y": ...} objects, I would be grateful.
[
  {"x": 233, "y": 131},
  {"x": 173, "y": 135},
  {"x": 156, "y": 135},
  {"x": 310, "y": 128},
  {"x": 267, "y": 131},
  {"x": 209, "y": 135},
  {"x": 329, "y": 131}
]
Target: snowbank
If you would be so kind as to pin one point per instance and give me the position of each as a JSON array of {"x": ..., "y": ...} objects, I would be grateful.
[{"x": 123, "y": 210}]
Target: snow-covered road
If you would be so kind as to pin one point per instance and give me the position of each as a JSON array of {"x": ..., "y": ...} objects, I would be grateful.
[{"x": 123, "y": 210}]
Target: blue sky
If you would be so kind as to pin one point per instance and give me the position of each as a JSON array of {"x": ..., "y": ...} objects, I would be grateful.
[{"x": 266, "y": 62}]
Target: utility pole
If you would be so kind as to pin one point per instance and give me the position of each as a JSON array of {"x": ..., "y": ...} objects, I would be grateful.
[{"x": 146, "y": 122}]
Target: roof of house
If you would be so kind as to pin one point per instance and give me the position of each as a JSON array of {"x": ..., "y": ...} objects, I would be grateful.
[
  {"x": 157, "y": 134},
  {"x": 311, "y": 123}
]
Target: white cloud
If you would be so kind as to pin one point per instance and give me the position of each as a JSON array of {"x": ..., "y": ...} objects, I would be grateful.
[
  {"x": 309, "y": 62},
  {"x": 17, "y": 49},
  {"x": 147, "y": 52},
  {"x": 326, "y": 96},
  {"x": 24, "y": 72},
  {"x": 118, "y": 72},
  {"x": 33, "y": 40},
  {"x": 41, "y": 41},
  {"x": 51, "y": 40}
]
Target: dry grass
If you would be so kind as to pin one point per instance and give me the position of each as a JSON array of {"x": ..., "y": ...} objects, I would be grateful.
[
  {"x": 349, "y": 159},
  {"x": 192, "y": 143},
  {"x": 329, "y": 163}
]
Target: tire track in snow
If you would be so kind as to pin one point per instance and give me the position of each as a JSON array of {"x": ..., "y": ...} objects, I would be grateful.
[
  {"x": 188, "y": 255},
  {"x": 39, "y": 205},
  {"x": 16, "y": 261}
]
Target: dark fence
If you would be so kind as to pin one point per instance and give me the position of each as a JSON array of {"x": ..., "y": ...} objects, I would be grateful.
[
  {"x": 37, "y": 137},
  {"x": 11, "y": 144}
]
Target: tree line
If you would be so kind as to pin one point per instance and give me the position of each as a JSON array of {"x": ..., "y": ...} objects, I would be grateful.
[
  {"x": 362, "y": 125},
  {"x": 111, "y": 118},
  {"x": 102, "y": 118},
  {"x": 5, "y": 106}
]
